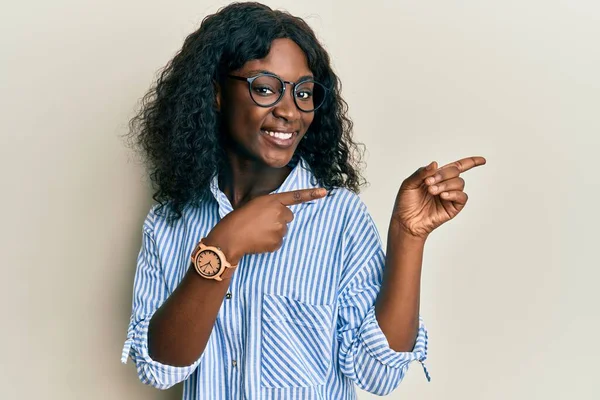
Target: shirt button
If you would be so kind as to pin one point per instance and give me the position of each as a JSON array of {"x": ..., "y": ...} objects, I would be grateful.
[
  {"x": 228, "y": 296},
  {"x": 234, "y": 362}
]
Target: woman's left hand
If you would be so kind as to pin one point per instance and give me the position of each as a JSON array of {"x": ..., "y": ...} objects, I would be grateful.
[{"x": 432, "y": 196}]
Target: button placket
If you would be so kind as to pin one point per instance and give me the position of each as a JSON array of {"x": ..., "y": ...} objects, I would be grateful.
[{"x": 233, "y": 327}]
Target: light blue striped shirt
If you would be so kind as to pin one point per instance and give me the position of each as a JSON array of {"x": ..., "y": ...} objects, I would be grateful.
[{"x": 298, "y": 323}]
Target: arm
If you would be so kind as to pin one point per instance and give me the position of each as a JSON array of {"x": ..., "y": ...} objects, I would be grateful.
[
  {"x": 397, "y": 306},
  {"x": 181, "y": 327},
  {"x": 365, "y": 356},
  {"x": 378, "y": 350},
  {"x": 156, "y": 318},
  {"x": 426, "y": 200}
]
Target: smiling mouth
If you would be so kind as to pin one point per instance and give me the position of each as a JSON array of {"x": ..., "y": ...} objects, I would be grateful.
[
  {"x": 280, "y": 135},
  {"x": 281, "y": 140}
]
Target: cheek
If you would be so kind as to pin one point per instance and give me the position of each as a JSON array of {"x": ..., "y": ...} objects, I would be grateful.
[
  {"x": 241, "y": 115},
  {"x": 307, "y": 120},
  {"x": 243, "y": 120}
]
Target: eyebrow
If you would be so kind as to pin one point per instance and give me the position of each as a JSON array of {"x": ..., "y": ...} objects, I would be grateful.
[{"x": 264, "y": 71}]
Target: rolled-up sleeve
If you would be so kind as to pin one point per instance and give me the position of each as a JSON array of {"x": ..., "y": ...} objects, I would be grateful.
[
  {"x": 149, "y": 292},
  {"x": 364, "y": 352}
]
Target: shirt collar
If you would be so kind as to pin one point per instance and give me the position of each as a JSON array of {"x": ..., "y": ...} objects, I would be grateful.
[{"x": 301, "y": 177}]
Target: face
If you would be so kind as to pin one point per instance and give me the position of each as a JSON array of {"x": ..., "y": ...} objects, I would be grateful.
[{"x": 266, "y": 135}]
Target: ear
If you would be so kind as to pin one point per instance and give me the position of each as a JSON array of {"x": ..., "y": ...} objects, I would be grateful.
[{"x": 218, "y": 95}]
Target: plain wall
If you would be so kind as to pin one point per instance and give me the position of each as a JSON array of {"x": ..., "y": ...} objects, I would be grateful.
[{"x": 510, "y": 288}]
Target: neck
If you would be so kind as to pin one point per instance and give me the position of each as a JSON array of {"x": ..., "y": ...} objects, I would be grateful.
[{"x": 245, "y": 179}]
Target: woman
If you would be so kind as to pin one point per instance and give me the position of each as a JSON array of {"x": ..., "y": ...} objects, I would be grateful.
[{"x": 261, "y": 274}]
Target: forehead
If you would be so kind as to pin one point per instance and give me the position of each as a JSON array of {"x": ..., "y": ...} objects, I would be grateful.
[{"x": 285, "y": 59}]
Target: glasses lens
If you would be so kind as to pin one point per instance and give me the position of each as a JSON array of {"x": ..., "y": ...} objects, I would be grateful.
[
  {"x": 309, "y": 95},
  {"x": 266, "y": 90}
]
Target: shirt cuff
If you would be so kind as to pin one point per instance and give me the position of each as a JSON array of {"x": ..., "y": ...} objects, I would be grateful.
[{"x": 376, "y": 344}]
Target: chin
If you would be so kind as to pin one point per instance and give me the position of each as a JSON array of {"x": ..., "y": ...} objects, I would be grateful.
[{"x": 279, "y": 160}]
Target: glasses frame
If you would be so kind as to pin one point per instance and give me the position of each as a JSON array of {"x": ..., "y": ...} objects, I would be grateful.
[{"x": 251, "y": 79}]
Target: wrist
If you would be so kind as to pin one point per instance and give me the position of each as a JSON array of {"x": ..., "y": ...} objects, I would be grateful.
[
  {"x": 399, "y": 234},
  {"x": 232, "y": 254}
]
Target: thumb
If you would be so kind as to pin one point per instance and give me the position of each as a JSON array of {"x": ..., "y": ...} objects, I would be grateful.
[{"x": 416, "y": 179}]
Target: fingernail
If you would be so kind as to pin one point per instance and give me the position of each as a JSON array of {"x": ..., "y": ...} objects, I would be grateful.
[
  {"x": 434, "y": 188},
  {"x": 430, "y": 180},
  {"x": 428, "y": 168}
]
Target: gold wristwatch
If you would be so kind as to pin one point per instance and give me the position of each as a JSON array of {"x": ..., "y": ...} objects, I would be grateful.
[{"x": 211, "y": 263}]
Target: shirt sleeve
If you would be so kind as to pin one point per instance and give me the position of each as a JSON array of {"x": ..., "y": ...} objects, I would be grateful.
[
  {"x": 149, "y": 292},
  {"x": 364, "y": 353}
]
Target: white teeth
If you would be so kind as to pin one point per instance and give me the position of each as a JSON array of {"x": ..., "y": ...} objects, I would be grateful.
[{"x": 279, "y": 135}]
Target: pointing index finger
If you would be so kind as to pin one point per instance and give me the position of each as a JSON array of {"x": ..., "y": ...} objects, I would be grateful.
[
  {"x": 466, "y": 164},
  {"x": 300, "y": 196}
]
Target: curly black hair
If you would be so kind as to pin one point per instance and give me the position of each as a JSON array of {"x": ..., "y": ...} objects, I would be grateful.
[{"x": 177, "y": 127}]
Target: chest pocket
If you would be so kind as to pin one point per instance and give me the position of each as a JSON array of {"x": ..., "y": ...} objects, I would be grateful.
[{"x": 297, "y": 341}]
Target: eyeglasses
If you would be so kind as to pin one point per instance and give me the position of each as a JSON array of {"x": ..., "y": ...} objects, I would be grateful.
[{"x": 268, "y": 89}]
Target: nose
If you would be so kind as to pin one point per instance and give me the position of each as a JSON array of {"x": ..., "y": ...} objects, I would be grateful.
[{"x": 286, "y": 108}]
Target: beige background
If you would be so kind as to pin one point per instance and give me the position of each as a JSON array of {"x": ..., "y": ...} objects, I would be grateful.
[{"x": 510, "y": 288}]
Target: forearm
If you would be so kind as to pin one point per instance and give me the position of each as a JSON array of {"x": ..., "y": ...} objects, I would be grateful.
[
  {"x": 397, "y": 306},
  {"x": 180, "y": 328}
]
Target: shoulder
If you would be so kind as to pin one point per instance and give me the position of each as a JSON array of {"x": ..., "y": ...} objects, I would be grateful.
[
  {"x": 358, "y": 234},
  {"x": 162, "y": 217},
  {"x": 349, "y": 206},
  {"x": 346, "y": 200}
]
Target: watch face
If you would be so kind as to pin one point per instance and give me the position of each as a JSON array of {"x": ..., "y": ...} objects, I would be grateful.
[{"x": 208, "y": 262}]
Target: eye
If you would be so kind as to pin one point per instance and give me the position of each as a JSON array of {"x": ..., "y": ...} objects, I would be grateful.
[
  {"x": 264, "y": 90},
  {"x": 304, "y": 94}
]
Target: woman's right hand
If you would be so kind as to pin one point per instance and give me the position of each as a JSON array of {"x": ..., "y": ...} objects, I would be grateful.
[{"x": 258, "y": 226}]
